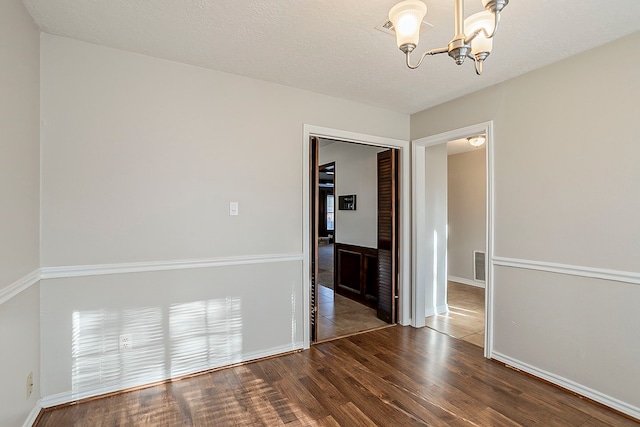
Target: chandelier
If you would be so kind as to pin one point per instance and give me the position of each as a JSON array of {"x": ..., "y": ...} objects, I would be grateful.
[{"x": 473, "y": 36}]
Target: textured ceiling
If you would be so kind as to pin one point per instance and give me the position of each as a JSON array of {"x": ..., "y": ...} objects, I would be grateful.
[
  {"x": 458, "y": 146},
  {"x": 332, "y": 47}
]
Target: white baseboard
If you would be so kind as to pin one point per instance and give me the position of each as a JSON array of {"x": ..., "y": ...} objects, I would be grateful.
[
  {"x": 70, "y": 396},
  {"x": 33, "y": 415},
  {"x": 432, "y": 311},
  {"x": 582, "y": 390},
  {"x": 469, "y": 282}
]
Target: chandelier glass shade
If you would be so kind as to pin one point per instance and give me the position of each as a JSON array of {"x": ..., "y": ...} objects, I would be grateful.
[
  {"x": 473, "y": 36},
  {"x": 407, "y": 18}
]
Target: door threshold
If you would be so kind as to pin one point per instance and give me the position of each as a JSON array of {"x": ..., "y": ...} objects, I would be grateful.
[{"x": 353, "y": 333}]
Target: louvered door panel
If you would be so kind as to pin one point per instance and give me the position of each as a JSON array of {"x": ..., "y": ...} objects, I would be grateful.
[
  {"x": 387, "y": 239},
  {"x": 313, "y": 191}
]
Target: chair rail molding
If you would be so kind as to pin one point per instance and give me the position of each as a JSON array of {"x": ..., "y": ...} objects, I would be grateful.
[
  {"x": 572, "y": 270},
  {"x": 44, "y": 273},
  {"x": 141, "y": 267},
  {"x": 19, "y": 285}
]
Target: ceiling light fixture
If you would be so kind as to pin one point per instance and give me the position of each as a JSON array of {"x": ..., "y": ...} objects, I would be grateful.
[
  {"x": 473, "y": 36},
  {"x": 476, "y": 141}
]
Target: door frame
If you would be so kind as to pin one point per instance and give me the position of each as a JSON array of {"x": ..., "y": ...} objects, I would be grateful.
[
  {"x": 404, "y": 267},
  {"x": 421, "y": 270}
]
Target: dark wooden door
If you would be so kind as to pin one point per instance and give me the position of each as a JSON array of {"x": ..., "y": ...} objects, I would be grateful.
[
  {"x": 387, "y": 235},
  {"x": 313, "y": 212}
]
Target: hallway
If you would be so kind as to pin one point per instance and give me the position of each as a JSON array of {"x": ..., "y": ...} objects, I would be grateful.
[{"x": 465, "y": 319}]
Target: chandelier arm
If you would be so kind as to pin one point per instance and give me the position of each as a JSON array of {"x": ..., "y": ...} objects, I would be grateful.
[
  {"x": 483, "y": 30},
  {"x": 477, "y": 63},
  {"x": 478, "y": 67},
  {"x": 429, "y": 52},
  {"x": 496, "y": 22}
]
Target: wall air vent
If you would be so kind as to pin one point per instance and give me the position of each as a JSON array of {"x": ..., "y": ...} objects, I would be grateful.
[
  {"x": 387, "y": 27},
  {"x": 479, "y": 266}
]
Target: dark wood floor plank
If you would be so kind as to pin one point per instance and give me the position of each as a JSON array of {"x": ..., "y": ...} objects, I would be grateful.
[
  {"x": 390, "y": 377},
  {"x": 298, "y": 396},
  {"x": 462, "y": 373},
  {"x": 366, "y": 401},
  {"x": 455, "y": 401},
  {"x": 371, "y": 374}
]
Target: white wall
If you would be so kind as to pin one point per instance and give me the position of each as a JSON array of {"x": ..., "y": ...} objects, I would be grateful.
[
  {"x": 356, "y": 173},
  {"x": 20, "y": 355},
  {"x": 19, "y": 142},
  {"x": 179, "y": 322},
  {"x": 466, "y": 200},
  {"x": 19, "y": 211},
  {"x": 140, "y": 160},
  {"x": 435, "y": 195},
  {"x": 566, "y": 157},
  {"x": 142, "y": 156}
]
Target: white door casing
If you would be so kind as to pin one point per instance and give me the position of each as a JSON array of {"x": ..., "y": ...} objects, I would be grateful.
[
  {"x": 422, "y": 244},
  {"x": 404, "y": 269}
]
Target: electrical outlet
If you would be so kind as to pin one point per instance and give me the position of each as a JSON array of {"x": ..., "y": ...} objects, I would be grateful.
[
  {"x": 125, "y": 342},
  {"x": 29, "y": 384}
]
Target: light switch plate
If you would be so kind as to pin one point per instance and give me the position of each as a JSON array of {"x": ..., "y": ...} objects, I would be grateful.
[{"x": 233, "y": 208}]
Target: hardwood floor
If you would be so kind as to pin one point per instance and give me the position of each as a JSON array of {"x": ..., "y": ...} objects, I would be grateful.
[
  {"x": 465, "y": 319},
  {"x": 397, "y": 376}
]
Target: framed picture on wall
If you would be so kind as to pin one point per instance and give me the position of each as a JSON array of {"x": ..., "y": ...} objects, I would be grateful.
[{"x": 347, "y": 203}]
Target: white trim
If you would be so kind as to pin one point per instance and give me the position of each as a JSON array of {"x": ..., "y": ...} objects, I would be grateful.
[
  {"x": 418, "y": 248},
  {"x": 33, "y": 415},
  {"x": 469, "y": 282},
  {"x": 69, "y": 396},
  {"x": 572, "y": 270},
  {"x": 19, "y": 285},
  {"x": 434, "y": 311},
  {"x": 490, "y": 213},
  {"x": 404, "y": 316},
  {"x": 585, "y": 391},
  {"x": 135, "y": 267},
  {"x": 141, "y": 267},
  {"x": 418, "y": 151}
]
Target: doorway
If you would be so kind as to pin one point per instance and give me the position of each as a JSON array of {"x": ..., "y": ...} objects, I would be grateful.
[
  {"x": 405, "y": 316},
  {"x": 430, "y": 227},
  {"x": 354, "y": 218},
  {"x": 465, "y": 200}
]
